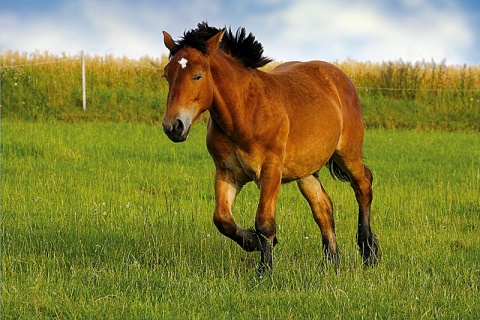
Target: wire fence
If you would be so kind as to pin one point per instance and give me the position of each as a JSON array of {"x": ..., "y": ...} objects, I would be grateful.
[
  {"x": 418, "y": 89},
  {"x": 155, "y": 66},
  {"x": 120, "y": 88}
]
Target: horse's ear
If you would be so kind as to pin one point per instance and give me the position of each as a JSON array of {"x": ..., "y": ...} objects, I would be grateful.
[
  {"x": 167, "y": 39},
  {"x": 214, "y": 42}
]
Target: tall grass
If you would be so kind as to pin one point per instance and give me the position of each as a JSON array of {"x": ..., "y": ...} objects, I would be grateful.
[
  {"x": 111, "y": 220},
  {"x": 39, "y": 86},
  {"x": 422, "y": 95}
]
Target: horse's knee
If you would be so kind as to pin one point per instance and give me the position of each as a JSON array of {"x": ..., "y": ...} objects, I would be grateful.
[
  {"x": 224, "y": 223},
  {"x": 363, "y": 190},
  {"x": 247, "y": 239}
]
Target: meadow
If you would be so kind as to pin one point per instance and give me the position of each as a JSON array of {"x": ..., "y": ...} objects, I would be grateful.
[
  {"x": 103, "y": 217},
  {"x": 111, "y": 220}
]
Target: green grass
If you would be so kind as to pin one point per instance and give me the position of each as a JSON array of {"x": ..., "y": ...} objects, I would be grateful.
[{"x": 111, "y": 220}]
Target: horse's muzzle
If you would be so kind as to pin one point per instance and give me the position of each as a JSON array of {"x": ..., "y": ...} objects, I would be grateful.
[{"x": 176, "y": 131}]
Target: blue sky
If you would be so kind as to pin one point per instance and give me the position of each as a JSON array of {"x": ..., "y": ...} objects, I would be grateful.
[{"x": 363, "y": 30}]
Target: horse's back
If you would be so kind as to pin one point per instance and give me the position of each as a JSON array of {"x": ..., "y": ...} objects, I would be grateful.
[
  {"x": 320, "y": 85},
  {"x": 321, "y": 72}
]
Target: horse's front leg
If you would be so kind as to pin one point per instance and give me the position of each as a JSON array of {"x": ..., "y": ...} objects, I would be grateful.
[
  {"x": 226, "y": 190},
  {"x": 265, "y": 225}
]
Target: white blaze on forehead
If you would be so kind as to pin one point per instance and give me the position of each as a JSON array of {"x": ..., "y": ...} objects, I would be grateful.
[{"x": 183, "y": 63}]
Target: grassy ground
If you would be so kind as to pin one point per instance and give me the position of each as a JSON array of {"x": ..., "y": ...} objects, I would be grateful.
[{"x": 111, "y": 220}]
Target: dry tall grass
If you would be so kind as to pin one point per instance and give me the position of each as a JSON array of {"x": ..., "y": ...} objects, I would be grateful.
[{"x": 39, "y": 85}]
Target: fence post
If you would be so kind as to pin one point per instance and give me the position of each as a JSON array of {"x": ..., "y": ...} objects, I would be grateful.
[{"x": 84, "y": 89}]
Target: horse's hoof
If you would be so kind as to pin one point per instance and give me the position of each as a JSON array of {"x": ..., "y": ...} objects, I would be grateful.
[
  {"x": 250, "y": 241},
  {"x": 263, "y": 270},
  {"x": 371, "y": 252}
]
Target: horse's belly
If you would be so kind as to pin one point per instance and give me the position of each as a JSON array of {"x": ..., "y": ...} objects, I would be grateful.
[
  {"x": 294, "y": 170},
  {"x": 307, "y": 158}
]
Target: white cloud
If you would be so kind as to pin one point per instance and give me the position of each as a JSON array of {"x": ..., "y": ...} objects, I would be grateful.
[
  {"x": 106, "y": 27},
  {"x": 366, "y": 31},
  {"x": 289, "y": 30}
]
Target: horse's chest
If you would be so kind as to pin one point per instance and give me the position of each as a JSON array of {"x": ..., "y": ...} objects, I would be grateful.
[{"x": 244, "y": 166}]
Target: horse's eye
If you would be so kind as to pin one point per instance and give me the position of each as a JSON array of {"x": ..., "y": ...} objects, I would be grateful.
[{"x": 197, "y": 77}]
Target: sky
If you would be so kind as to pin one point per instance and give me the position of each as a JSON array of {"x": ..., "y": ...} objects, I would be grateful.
[{"x": 330, "y": 30}]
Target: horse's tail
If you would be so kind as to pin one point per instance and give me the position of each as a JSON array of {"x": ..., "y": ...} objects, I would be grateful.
[{"x": 336, "y": 171}]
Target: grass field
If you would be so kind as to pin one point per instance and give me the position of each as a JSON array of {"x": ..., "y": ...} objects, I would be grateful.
[{"x": 111, "y": 220}]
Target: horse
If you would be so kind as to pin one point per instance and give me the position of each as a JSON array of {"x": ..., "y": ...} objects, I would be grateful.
[{"x": 270, "y": 128}]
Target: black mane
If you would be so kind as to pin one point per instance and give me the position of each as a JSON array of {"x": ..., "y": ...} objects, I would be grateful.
[{"x": 240, "y": 46}]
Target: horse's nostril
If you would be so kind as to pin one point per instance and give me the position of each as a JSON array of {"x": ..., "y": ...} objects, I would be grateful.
[
  {"x": 178, "y": 127},
  {"x": 177, "y": 131}
]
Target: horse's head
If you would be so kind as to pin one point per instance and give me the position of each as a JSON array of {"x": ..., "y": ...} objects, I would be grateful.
[{"x": 190, "y": 85}]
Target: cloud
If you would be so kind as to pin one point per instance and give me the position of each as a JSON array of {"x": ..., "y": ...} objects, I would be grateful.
[
  {"x": 106, "y": 27},
  {"x": 368, "y": 30},
  {"x": 289, "y": 30}
]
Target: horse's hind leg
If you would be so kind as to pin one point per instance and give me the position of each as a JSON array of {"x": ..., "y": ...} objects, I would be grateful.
[
  {"x": 361, "y": 179},
  {"x": 322, "y": 210},
  {"x": 366, "y": 239}
]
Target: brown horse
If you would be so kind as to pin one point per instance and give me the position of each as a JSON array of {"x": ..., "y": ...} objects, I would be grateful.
[{"x": 269, "y": 128}]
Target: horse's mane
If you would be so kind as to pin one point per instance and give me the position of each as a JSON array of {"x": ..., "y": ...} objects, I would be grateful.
[{"x": 240, "y": 46}]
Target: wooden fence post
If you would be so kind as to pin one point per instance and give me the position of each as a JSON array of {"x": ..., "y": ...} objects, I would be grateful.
[{"x": 84, "y": 86}]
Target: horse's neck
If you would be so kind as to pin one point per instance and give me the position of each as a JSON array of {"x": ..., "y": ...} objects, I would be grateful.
[{"x": 230, "y": 101}]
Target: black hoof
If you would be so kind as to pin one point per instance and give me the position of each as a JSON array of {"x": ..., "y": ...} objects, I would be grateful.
[
  {"x": 250, "y": 241},
  {"x": 331, "y": 253},
  {"x": 370, "y": 251},
  {"x": 334, "y": 259},
  {"x": 263, "y": 270}
]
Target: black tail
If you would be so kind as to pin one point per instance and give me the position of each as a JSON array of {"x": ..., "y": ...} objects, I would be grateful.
[{"x": 336, "y": 171}]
